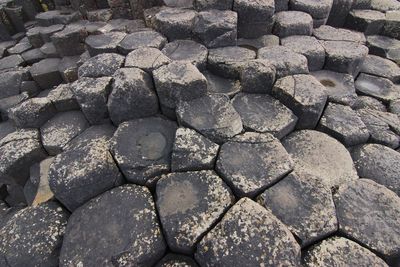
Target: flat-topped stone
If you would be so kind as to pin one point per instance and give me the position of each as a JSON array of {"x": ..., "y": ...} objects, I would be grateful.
[
  {"x": 321, "y": 156},
  {"x": 176, "y": 82},
  {"x": 375, "y": 224},
  {"x": 304, "y": 205},
  {"x": 289, "y": 23},
  {"x": 261, "y": 239},
  {"x": 285, "y": 60},
  {"x": 308, "y": 46},
  {"x": 45, "y": 73},
  {"x": 104, "y": 43},
  {"x": 189, "y": 204},
  {"x": 216, "y": 28},
  {"x": 378, "y": 163},
  {"x": 368, "y": 21},
  {"x": 32, "y": 113},
  {"x": 344, "y": 124},
  {"x": 257, "y": 76},
  {"x": 78, "y": 175},
  {"x": 187, "y": 50},
  {"x": 175, "y": 23},
  {"x": 226, "y": 61},
  {"x": 346, "y": 57},
  {"x": 137, "y": 241},
  {"x": 61, "y": 129},
  {"x": 264, "y": 114},
  {"x": 339, "y": 86},
  {"x": 213, "y": 116},
  {"x": 329, "y": 33},
  {"x": 104, "y": 64},
  {"x": 384, "y": 46},
  {"x": 142, "y": 148},
  {"x": 139, "y": 39},
  {"x": 339, "y": 251},
  {"x": 133, "y": 96},
  {"x": 249, "y": 166},
  {"x": 304, "y": 95},
  {"x": 147, "y": 59},
  {"x": 380, "y": 88},
  {"x": 192, "y": 151},
  {"x": 220, "y": 85},
  {"x": 381, "y": 67}
]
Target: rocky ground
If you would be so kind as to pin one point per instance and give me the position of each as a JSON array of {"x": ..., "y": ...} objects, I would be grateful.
[{"x": 199, "y": 133}]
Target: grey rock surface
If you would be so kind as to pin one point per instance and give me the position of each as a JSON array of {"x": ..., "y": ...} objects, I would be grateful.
[
  {"x": 137, "y": 242},
  {"x": 142, "y": 148},
  {"x": 147, "y": 59},
  {"x": 189, "y": 204},
  {"x": 262, "y": 113},
  {"x": 192, "y": 151},
  {"x": 304, "y": 95},
  {"x": 261, "y": 239},
  {"x": 304, "y": 205},
  {"x": 133, "y": 96},
  {"x": 250, "y": 166},
  {"x": 105, "y": 64},
  {"x": 321, "y": 156},
  {"x": 289, "y": 23},
  {"x": 212, "y": 116},
  {"x": 187, "y": 50},
  {"x": 375, "y": 225}
]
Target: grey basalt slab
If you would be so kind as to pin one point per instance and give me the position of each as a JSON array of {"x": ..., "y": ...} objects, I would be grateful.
[
  {"x": 321, "y": 156},
  {"x": 381, "y": 67},
  {"x": 93, "y": 135},
  {"x": 104, "y": 43},
  {"x": 105, "y": 64},
  {"x": 317, "y": 9},
  {"x": 11, "y": 81},
  {"x": 249, "y": 166},
  {"x": 175, "y": 23},
  {"x": 63, "y": 98},
  {"x": 392, "y": 23},
  {"x": 376, "y": 224},
  {"x": 133, "y": 96},
  {"x": 286, "y": 61},
  {"x": 384, "y": 46},
  {"x": 11, "y": 61},
  {"x": 345, "y": 57},
  {"x": 380, "y": 88},
  {"x": 176, "y": 82},
  {"x": 40, "y": 231},
  {"x": 289, "y": 23},
  {"x": 68, "y": 68},
  {"x": 260, "y": 42},
  {"x": 220, "y": 85},
  {"x": 138, "y": 241},
  {"x": 368, "y": 102},
  {"x": 19, "y": 149},
  {"x": 304, "y": 205},
  {"x": 364, "y": 20},
  {"x": 142, "y": 148},
  {"x": 77, "y": 175},
  {"x": 91, "y": 95},
  {"x": 33, "y": 56},
  {"x": 304, "y": 95},
  {"x": 261, "y": 239},
  {"x": 32, "y": 113},
  {"x": 139, "y": 39},
  {"x": 262, "y": 113},
  {"x": 340, "y": 251},
  {"x": 192, "y": 151},
  {"x": 213, "y": 116},
  {"x": 216, "y": 28},
  {"x": 255, "y": 18},
  {"x": 339, "y": 86},
  {"x": 187, "y": 50},
  {"x": 257, "y": 76},
  {"x": 147, "y": 59},
  {"x": 45, "y": 73},
  {"x": 308, "y": 46},
  {"x": 383, "y": 126},
  {"x": 378, "y": 163},
  {"x": 61, "y": 129},
  {"x": 344, "y": 124},
  {"x": 227, "y": 61},
  {"x": 329, "y": 33},
  {"x": 189, "y": 204}
]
